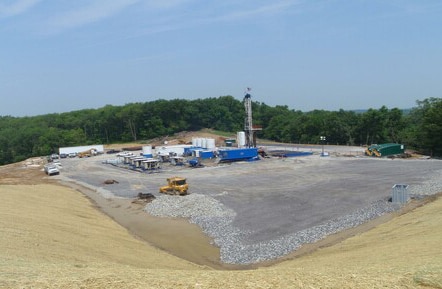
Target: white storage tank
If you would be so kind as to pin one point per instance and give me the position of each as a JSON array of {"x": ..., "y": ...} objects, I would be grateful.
[
  {"x": 147, "y": 151},
  {"x": 204, "y": 143},
  {"x": 241, "y": 138},
  {"x": 199, "y": 142},
  {"x": 210, "y": 143},
  {"x": 194, "y": 141}
]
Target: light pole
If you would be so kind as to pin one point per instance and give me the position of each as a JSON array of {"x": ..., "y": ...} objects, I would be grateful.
[{"x": 322, "y": 138}]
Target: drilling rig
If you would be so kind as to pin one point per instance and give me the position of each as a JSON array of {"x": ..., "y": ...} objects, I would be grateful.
[{"x": 249, "y": 129}]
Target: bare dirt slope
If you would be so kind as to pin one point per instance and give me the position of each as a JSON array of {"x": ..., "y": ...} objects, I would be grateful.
[{"x": 54, "y": 237}]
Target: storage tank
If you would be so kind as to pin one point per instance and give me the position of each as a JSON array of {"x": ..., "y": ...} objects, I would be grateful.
[
  {"x": 147, "y": 151},
  {"x": 210, "y": 143},
  {"x": 241, "y": 138},
  {"x": 204, "y": 143},
  {"x": 194, "y": 142},
  {"x": 199, "y": 142}
]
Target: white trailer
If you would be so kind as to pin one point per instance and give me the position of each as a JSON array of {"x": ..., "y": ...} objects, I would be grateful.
[
  {"x": 177, "y": 150},
  {"x": 79, "y": 149}
]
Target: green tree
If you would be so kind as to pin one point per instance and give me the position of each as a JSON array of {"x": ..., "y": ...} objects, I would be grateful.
[
  {"x": 394, "y": 124},
  {"x": 23, "y": 137},
  {"x": 431, "y": 126}
]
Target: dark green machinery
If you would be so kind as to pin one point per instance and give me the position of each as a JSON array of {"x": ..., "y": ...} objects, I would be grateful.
[{"x": 383, "y": 150}]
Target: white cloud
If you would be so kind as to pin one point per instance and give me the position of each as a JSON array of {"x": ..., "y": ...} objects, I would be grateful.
[
  {"x": 17, "y": 7},
  {"x": 95, "y": 11}
]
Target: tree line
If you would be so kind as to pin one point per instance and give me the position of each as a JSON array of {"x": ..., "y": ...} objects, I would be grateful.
[{"x": 419, "y": 128}]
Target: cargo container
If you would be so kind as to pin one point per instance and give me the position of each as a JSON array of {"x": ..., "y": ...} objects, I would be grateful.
[
  {"x": 238, "y": 154},
  {"x": 206, "y": 154}
]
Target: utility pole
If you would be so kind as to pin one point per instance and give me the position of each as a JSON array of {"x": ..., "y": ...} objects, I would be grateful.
[{"x": 322, "y": 138}]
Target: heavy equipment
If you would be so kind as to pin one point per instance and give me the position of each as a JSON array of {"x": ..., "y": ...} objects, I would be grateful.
[
  {"x": 175, "y": 186},
  {"x": 195, "y": 163},
  {"x": 386, "y": 149},
  {"x": 87, "y": 153}
]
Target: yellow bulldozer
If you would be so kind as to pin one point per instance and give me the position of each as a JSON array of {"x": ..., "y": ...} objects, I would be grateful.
[{"x": 175, "y": 186}]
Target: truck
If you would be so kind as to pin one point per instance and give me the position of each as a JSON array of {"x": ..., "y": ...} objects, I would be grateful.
[
  {"x": 175, "y": 186},
  {"x": 51, "y": 169},
  {"x": 87, "y": 153}
]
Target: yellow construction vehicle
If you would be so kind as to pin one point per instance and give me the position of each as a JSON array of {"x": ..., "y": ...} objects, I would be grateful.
[
  {"x": 373, "y": 151},
  {"x": 175, "y": 186},
  {"x": 87, "y": 153}
]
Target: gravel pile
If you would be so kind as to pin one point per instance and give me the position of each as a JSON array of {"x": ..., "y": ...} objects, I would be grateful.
[
  {"x": 216, "y": 220},
  {"x": 428, "y": 187}
]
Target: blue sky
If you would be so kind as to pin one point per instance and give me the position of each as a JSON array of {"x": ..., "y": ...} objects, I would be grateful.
[{"x": 65, "y": 55}]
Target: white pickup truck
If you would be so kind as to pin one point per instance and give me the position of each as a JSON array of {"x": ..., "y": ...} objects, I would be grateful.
[{"x": 51, "y": 169}]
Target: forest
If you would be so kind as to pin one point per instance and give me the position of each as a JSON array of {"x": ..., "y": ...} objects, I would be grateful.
[{"x": 419, "y": 128}]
